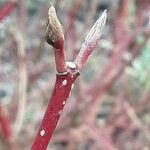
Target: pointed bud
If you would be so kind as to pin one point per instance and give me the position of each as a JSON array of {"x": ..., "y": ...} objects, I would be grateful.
[{"x": 54, "y": 32}]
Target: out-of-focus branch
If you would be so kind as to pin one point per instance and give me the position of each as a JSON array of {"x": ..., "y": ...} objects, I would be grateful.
[
  {"x": 22, "y": 84},
  {"x": 102, "y": 141},
  {"x": 4, "y": 124},
  {"x": 91, "y": 41},
  {"x": 144, "y": 101},
  {"x": 120, "y": 21},
  {"x": 5, "y": 129},
  {"x": 19, "y": 37},
  {"x": 142, "y": 7},
  {"x": 6, "y": 9}
]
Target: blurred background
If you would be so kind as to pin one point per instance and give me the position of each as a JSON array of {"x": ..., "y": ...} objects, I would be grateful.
[{"x": 109, "y": 108}]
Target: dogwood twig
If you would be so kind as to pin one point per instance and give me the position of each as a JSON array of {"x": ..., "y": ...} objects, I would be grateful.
[
  {"x": 66, "y": 75},
  {"x": 91, "y": 41}
]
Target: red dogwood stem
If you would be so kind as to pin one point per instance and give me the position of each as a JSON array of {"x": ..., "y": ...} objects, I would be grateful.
[
  {"x": 65, "y": 79},
  {"x": 6, "y": 9},
  {"x": 91, "y": 41},
  {"x": 4, "y": 124},
  {"x": 58, "y": 99}
]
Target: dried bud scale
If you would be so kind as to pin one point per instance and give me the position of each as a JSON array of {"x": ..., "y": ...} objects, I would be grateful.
[{"x": 54, "y": 31}]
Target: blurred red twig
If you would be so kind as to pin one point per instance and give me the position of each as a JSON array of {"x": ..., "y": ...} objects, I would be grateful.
[
  {"x": 6, "y": 9},
  {"x": 4, "y": 124},
  {"x": 5, "y": 129}
]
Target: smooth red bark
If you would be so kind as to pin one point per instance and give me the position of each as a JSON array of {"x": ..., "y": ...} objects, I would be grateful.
[{"x": 58, "y": 99}]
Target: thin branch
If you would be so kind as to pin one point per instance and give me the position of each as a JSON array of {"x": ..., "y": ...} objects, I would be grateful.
[
  {"x": 22, "y": 84},
  {"x": 91, "y": 41}
]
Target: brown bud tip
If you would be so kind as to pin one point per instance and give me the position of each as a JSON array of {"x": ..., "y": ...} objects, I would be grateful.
[{"x": 54, "y": 32}]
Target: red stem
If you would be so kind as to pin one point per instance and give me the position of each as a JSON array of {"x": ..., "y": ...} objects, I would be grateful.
[
  {"x": 6, "y": 9},
  {"x": 58, "y": 99},
  {"x": 4, "y": 124},
  {"x": 91, "y": 41},
  {"x": 60, "y": 56}
]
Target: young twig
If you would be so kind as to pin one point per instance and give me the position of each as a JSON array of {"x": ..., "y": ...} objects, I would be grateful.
[
  {"x": 4, "y": 124},
  {"x": 91, "y": 41},
  {"x": 66, "y": 75}
]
